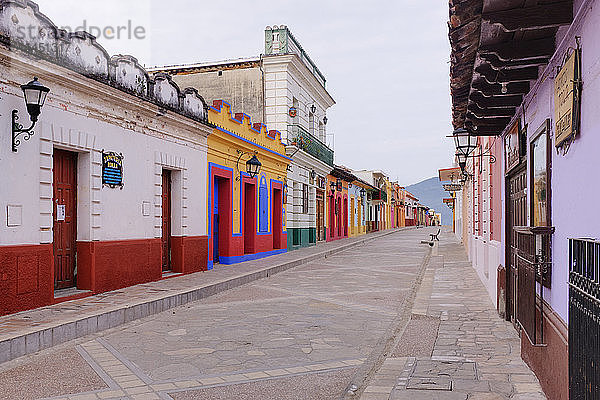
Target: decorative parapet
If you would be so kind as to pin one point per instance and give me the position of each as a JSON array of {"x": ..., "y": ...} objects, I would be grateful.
[
  {"x": 241, "y": 126},
  {"x": 24, "y": 28}
]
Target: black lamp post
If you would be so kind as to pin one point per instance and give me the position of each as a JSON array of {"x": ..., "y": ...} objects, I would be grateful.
[
  {"x": 253, "y": 166},
  {"x": 35, "y": 95},
  {"x": 465, "y": 142}
]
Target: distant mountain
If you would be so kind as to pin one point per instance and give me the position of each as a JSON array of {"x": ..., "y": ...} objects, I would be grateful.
[{"x": 430, "y": 193}]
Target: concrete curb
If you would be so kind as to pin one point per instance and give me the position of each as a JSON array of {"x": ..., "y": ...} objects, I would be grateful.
[{"x": 82, "y": 325}]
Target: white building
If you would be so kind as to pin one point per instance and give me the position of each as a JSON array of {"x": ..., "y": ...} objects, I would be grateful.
[{"x": 114, "y": 166}]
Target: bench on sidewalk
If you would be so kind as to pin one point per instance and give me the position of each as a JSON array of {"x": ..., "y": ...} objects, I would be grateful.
[{"x": 434, "y": 236}]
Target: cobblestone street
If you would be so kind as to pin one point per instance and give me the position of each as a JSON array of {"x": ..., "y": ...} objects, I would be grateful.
[{"x": 307, "y": 333}]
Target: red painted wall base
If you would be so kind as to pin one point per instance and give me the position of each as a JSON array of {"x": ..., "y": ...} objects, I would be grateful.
[
  {"x": 189, "y": 253},
  {"x": 26, "y": 277},
  {"x": 550, "y": 363}
]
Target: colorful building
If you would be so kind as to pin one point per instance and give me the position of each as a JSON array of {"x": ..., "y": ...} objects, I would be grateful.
[
  {"x": 532, "y": 116},
  {"x": 246, "y": 213},
  {"x": 338, "y": 203},
  {"x": 285, "y": 89}
]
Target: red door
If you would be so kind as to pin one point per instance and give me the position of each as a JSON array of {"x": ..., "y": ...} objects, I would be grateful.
[
  {"x": 65, "y": 218},
  {"x": 277, "y": 224},
  {"x": 249, "y": 218},
  {"x": 166, "y": 220}
]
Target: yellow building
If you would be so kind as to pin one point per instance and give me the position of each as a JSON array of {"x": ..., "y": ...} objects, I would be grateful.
[{"x": 246, "y": 207}]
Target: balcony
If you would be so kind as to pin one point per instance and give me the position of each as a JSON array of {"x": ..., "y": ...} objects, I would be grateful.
[
  {"x": 380, "y": 195},
  {"x": 300, "y": 137}
]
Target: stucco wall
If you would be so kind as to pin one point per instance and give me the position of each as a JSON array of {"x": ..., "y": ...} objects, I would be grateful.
[{"x": 240, "y": 87}]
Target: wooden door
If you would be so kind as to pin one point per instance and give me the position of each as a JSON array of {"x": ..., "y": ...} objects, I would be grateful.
[
  {"x": 320, "y": 215},
  {"x": 64, "y": 218},
  {"x": 516, "y": 216},
  {"x": 166, "y": 220}
]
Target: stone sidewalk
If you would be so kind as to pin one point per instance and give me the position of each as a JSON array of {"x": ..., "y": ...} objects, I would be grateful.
[
  {"x": 30, "y": 331},
  {"x": 455, "y": 347}
]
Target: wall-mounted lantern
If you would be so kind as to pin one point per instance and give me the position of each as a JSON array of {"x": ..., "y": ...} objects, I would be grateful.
[
  {"x": 35, "y": 95},
  {"x": 253, "y": 165},
  {"x": 313, "y": 109},
  {"x": 362, "y": 192},
  {"x": 465, "y": 142},
  {"x": 338, "y": 185},
  {"x": 325, "y": 120},
  {"x": 313, "y": 174}
]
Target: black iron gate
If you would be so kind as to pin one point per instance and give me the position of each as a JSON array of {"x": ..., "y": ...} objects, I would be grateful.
[{"x": 584, "y": 319}]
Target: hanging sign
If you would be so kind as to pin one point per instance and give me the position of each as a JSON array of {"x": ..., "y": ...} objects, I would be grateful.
[
  {"x": 452, "y": 187},
  {"x": 566, "y": 99},
  {"x": 112, "y": 169},
  {"x": 293, "y": 112}
]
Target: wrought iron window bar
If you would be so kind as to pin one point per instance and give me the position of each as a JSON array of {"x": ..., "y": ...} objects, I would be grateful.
[{"x": 584, "y": 318}]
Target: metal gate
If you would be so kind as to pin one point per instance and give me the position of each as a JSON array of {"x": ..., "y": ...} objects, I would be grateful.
[
  {"x": 584, "y": 319},
  {"x": 516, "y": 216}
]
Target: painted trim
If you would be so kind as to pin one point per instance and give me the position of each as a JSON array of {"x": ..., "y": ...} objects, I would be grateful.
[
  {"x": 251, "y": 142},
  {"x": 249, "y": 257}
]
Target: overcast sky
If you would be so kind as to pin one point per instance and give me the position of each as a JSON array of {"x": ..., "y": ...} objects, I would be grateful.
[{"x": 385, "y": 61}]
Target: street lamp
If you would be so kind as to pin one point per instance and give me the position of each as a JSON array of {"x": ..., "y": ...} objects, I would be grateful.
[
  {"x": 465, "y": 143},
  {"x": 253, "y": 166},
  {"x": 35, "y": 95}
]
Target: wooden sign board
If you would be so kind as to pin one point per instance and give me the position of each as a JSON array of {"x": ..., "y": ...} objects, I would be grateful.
[
  {"x": 566, "y": 99},
  {"x": 512, "y": 154}
]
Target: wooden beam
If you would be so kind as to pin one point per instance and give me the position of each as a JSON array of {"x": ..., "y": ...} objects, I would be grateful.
[
  {"x": 488, "y": 121},
  {"x": 496, "y": 101},
  {"x": 491, "y": 112},
  {"x": 532, "y": 18},
  {"x": 486, "y": 130},
  {"x": 497, "y": 63},
  {"x": 507, "y": 75},
  {"x": 521, "y": 49}
]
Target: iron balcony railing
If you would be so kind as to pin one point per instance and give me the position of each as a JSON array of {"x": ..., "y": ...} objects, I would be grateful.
[
  {"x": 584, "y": 319},
  {"x": 301, "y": 138}
]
